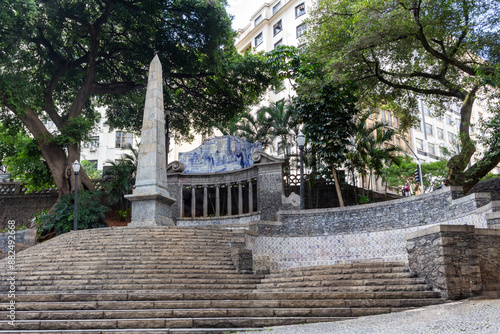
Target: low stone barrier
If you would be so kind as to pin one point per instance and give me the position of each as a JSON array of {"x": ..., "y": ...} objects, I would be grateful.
[
  {"x": 23, "y": 238},
  {"x": 460, "y": 261},
  {"x": 373, "y": 232}
]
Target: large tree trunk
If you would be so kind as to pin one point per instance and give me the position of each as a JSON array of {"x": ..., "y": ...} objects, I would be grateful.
[
  {"x": 459, "y": 162},
  {"x": 337, "y": 187},
  {"x": 57, "y": 161}
]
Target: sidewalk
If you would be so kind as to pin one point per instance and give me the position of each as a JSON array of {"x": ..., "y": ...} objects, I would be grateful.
[{"x": 468, "y": 316}]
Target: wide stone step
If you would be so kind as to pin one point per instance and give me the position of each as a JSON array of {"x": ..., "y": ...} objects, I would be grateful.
[
  {"x": 339, "y": 277},
  {"x": 137, "y": 282},
  {"x": 239, "y": 278},
  {"x": 219, "y": 304},
  {"x": 69, "y": 286},
  {"x": 199, "y": 313},
  {"x": 122, "y": 262},
  {"x": 126, "y": 271},
  {"x": 230, "y": 322},
  {"x": 76, "y": 266},
  {"x": 361, "y": 288},
  {"x": 345, "y": 282},
  {"x": 113, "y": 296},
  {"x": 337, "y": 270}
]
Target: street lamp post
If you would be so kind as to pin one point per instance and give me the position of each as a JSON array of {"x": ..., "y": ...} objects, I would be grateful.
[
  {"x": 76, "y": 169},
  {"x": 301, "y": 140}
]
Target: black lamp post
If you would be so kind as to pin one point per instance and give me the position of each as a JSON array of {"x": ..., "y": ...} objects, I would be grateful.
[
  {"x": 301, "y": 140},
  {"x": 76, "y": 169}
]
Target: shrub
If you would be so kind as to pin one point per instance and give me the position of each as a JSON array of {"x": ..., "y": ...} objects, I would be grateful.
[{"x": 60, "y": 219}]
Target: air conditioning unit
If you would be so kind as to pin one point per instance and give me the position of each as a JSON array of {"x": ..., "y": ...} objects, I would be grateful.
[{"x": 93, "y": 149}]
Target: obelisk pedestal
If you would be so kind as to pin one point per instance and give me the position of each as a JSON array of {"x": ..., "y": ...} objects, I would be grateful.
[{"x": 151, "y": 201}]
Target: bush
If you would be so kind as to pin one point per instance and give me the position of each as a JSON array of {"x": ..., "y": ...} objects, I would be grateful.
[{"x": 60, "y": 219}]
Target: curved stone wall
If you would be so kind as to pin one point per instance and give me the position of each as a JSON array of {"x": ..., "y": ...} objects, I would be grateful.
[{"x": 369, "y": 232}]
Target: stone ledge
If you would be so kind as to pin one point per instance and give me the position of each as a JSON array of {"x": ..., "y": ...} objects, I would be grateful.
[
  {"x": 488, "y": 232},
  {"x": 493, "y": 215},
  {"x": 441, "y": 228},
  {"x": 471, "y": 197}
]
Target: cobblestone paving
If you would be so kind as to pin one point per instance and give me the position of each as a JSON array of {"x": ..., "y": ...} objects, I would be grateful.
[{"x": 470, "y": 316}]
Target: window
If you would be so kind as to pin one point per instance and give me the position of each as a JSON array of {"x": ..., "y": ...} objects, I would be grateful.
[
  {"x": 427, "y": 111},
  {"x": 440, "y": 133},
  {"x": 417, "y": 127},
  {"x": 457, "y": 122},
  {"x": 257, "y": 20},
  {"x": 259, "y": 39},
  {"x": 420, "y": 144},
  {"x": 277, "y": 27},
  {"x": 93, "y": 142},
  {"x": 278, "y": 43},
  {"x": 428, "y": 129},
  {"x": 300, "y": 10},
  {"x": 451, "y": 137},
  {"x": 301, "y": 30},
  {"x": 448, "y": 120},
  {"x": 123, "y": 139},
  {"x": 432, "y": 149},
  {"x": 276, "y": 7},
  {"x": 396, "y": 122}
]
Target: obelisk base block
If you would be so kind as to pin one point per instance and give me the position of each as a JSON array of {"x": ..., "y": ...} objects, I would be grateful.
[{"x": 153, "y": 209}]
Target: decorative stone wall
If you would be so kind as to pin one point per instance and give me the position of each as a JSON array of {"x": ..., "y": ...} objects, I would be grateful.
[
  {"x": 374, "y": 232},
  {"x": 21, "y": 208},
  {"x": 488, "y": 242},
  {"x": 489, "y": 186},
  {"x": 254, "y": 192},
  {"x": 448, "y": 258},
  {"x": 221, "y": 221},
  {"x": 24, "y": 239},
  {"x": 422, "y": 210},
  {"x": 460, "y": 261}
]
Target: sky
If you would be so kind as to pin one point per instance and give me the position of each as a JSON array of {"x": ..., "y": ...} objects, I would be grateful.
[{"x": 242, "y": 10}]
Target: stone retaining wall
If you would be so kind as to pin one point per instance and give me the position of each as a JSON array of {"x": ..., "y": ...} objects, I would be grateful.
[
  {"x": 422, "y": 210},
  {"x": 373, "y": 232},
  {"x": 460, "y": 261},
  {"x": 21, "y": 208},
  {"x": 24, "y": 239}
]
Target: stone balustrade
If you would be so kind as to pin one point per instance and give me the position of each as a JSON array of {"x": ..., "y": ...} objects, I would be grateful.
[{"x": 249, "y": 192}]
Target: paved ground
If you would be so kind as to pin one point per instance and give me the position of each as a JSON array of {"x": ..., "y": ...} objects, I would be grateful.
[{"x": 469, "y": 316}]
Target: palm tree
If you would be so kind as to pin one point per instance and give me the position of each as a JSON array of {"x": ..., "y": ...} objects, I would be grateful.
[
  {"x": 251, "y": 127},
  {"x": 369, "y": 151},
  {"x": 281, "y": 124}
]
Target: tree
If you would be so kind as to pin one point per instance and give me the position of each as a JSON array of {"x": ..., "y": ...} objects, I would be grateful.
[
  {"x": 328, "y": 116},
  {"x": 23, "y": 159},
  {"x": 398, "y": 51},
  {"x": 250, "y": 126},
  {"x": 369, "y": 152},
  {"x": 62, "y": 59},
  {"x": 279, "y": 120},
  {"x": 433, "y": 173}
]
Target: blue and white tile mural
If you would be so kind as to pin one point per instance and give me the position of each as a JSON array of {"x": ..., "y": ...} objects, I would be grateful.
[{"x": 221, "y": 154}]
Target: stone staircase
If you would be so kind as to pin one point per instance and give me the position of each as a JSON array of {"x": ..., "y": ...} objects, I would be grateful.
[{"x": 183, "y": 280}]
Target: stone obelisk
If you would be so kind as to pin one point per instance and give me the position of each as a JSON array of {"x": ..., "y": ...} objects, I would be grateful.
[{"x": 151, "y": 202}]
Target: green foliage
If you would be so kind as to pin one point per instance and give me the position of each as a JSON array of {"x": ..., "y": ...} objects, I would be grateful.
[
  {"x": 368, "y": 153},
  {"x": 398, "y": 175},
  {"x": 24, "y": 161},
  {"x": 91, "y": 214},
  {"x": 119, "y": 180},
  {"x": 328, "y": 116},
  {"x": 91, "y": 169},
  {"x": 399, "y": 51},
  {"x": 61, "y": 60},
  {"x": 490, "y": 176}
]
